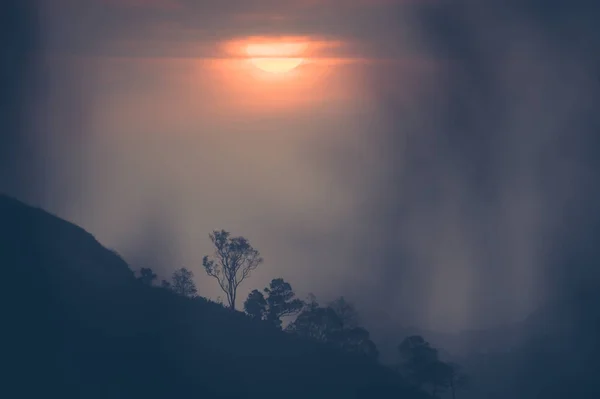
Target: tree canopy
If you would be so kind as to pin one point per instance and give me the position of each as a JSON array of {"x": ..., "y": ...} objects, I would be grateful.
[
  {"x": 232, "y": 262},
  {"x": 421, "y": 365},
  {"x": 183, "y": 283},
  {"x": 326, "y": 325},
  {"x": 279, "y": 302},
  {"x": 147, "y": 276}
]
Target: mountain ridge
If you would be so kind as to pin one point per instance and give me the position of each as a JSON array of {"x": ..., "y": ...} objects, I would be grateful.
[{"x": 81, "y": 325}]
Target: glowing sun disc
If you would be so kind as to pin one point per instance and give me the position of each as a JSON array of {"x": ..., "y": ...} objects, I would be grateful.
[{"x": 276, "y": 65}]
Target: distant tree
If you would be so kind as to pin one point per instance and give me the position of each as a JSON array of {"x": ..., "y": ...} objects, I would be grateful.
[
  {"x": 355, "y": 340},
  {"x": 456, "y": 379},
  {"x": 278, "y": 302},
  {"x": 420, "y": 364},
  {"x": 256, "y": 305},
  {"x": 165, "y": 284},
  {"x": 147, "y": 276},
  {"x": 415, "y": 350},
  {"x": 310, "y": 302},
  {"x": 183, "y": 283},
  {"x": 233, "y": 261},
  {"x": 325, "y": 325},
  {"x": 318, "y": 323},
  {"x": 346, "y": 312},
  {"x": 416, "y": 359}
]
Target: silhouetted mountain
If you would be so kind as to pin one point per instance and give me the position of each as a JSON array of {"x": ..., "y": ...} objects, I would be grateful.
[{"x": 80, "y": 325}]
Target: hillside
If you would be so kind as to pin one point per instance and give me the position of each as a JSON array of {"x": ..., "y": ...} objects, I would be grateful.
[{"x": 80, "y": 325}]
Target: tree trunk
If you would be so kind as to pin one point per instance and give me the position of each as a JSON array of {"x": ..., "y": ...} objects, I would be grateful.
[{"x": 232, "y": 300}]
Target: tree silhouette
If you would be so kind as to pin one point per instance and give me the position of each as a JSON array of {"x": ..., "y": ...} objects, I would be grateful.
[
  {"x": 310, "y": 302},
  {"x": 183, "y": 283},
  {"x": 456, "y": 379},
  {"x": 234, "y": 259},
  {"x": 325, "y": 325},
  {"x": 278, "y": 303},
  {"x": 346, "y": 312},
  {"x": 256, "y": 305},
  {"x": 416, "y": 357},
  {"x": 316, "y": 323},
  {"x": 281, "y": 301},
  {"x": 420, "y": 364},
  {"x": 165, "y": 284},
  {"x": 147, "y": 276},
  {"x": 355, "y": 340}
]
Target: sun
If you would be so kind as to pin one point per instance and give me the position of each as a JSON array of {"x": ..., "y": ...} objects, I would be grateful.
[
  {"x": 276, "y": 57},
  {"x": 276, "y": 65}
]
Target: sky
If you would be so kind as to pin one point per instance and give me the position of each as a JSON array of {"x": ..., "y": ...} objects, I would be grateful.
[{"x": 430, "y": 160}]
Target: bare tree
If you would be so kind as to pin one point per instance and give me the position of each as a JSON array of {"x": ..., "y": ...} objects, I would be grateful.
[{"x": 233, "y": 261}]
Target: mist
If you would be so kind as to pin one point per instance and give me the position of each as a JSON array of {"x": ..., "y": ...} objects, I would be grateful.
[
  {"x": 443, "y": 191},
  {"x": 487, "y": 186}
]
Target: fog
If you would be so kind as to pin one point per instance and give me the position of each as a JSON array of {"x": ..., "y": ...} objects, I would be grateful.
[{"x": 432, "y": 166}]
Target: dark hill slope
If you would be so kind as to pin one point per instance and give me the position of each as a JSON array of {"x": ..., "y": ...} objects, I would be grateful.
[{"x": 80, "y": 325}]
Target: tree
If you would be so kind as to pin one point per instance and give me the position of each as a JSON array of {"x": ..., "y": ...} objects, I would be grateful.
[
  {"x": 233, "y": 261},
  {"x": 456, "y": 379},
  {"x": 147, "y": 276},
  {"x": 421, "y": 365},
  {"x": 415, "y": 350},
  {"x": 355, "y": 340},
  {"x": 310, "y": 302},
  {"x": 281, "y": 301},
  {"x": 316, "y": 323},
  {"x": 183, "y": 283},
  {"x": 325, "y": 325},
  {"x": 278, "y": 302},
  {"x": 165, "y": 284},
  {"x": 416, "y": 359},
  {"x": 346, "y": 312},
  {"x": 256, "y": 305}
]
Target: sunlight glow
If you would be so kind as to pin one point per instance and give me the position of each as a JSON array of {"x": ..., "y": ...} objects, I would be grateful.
[
  {"x": 276, "y": 65},
  {"x": 276, "y": 57},
  {"x": 275, "y": 49},
  {"x": 274, "y": 74}
]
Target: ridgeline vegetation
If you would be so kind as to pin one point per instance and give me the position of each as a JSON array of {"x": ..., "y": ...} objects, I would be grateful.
[{"x": 81, "y": 324}]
